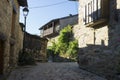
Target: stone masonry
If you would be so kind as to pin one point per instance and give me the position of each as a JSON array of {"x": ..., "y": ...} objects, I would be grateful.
[
  {"x": 11, "y": 35},
  {"x": 98, "y": 34},
  {"x": 37, "y": 46}
]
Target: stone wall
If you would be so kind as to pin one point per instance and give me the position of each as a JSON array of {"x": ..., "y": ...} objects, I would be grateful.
[
  {"x": 99, "y": 44},
  {"x": 43, "y": 51},
  {"x": 10, "y": 34},
  {"x": 37, "y": 46}
]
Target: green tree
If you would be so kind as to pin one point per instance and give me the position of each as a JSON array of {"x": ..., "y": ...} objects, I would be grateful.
[
  {"x": 72, "y": 49},
  {"x": 64, "y": 39},
  {"x": 66, "y": 44},
  {"x": 53, "y": 48}
]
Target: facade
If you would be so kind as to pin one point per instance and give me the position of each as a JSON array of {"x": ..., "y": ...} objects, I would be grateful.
[
  {"x": 98, "y": 34},
  {"x": 51, "y": 29},
  {"x": 11, "y": 35},
  {"x": 37, "y": 46}
]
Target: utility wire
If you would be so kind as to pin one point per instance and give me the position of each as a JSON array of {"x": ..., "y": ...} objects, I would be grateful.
[{"x": 48, "y": 5}]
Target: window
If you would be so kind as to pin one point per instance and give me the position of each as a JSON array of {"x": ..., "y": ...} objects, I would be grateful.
[{"x": 96, "y": 10}]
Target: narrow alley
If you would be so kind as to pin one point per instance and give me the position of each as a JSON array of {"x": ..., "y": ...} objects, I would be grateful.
[
  {"x": 52, "y": 71},
  {"x": 58, "y": 33}
]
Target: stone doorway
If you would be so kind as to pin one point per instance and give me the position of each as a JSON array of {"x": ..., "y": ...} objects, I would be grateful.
[{"x": 1, "y": 56}]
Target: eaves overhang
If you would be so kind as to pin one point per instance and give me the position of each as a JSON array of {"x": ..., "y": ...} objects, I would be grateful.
[
  {"x": 54, "y": 20},
  {"x": 23, "y": 3}
]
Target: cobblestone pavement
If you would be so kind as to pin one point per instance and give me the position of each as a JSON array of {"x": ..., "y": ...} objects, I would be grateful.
[{"x": 52, "y": 71}]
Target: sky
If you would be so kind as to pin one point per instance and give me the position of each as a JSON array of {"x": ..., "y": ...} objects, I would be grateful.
[{"x": 43, "y": 11}]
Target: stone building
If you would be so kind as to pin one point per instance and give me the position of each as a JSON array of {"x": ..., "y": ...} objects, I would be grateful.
[
  {"x": 98, "y": 34},
  {"x": 11, "y": 34},
  {"x": 51, "y": 29},
  {"x": 37, "y": 46}
]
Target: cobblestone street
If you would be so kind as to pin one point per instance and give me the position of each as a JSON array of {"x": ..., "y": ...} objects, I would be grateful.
[{"x": 52, "y": 71}]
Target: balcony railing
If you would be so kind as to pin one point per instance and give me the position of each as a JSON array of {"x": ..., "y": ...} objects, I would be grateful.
[{"x": 96, "y": 12}]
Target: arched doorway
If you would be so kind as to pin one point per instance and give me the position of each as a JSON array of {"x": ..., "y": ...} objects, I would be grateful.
[{"x": 1, "y": 56}]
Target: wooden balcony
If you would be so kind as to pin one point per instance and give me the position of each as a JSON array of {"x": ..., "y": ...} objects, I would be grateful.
[
  {"x": 96, "y": 13},
  {"x": 48, "y": 32},
  {"x": 97, "y": 23}
]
